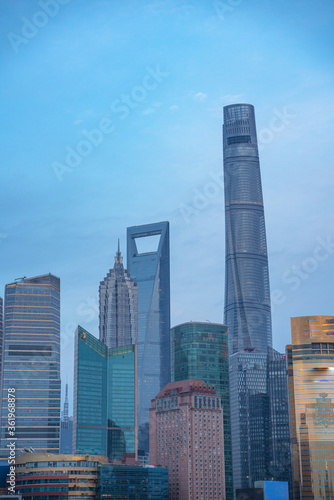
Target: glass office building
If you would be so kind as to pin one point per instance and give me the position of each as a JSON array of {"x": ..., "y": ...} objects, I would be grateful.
[
  {"x": 31, "y": 363},
  {"x": 105, "y": 397},
  {"x": 260, "y": 418},
  {"x": 247, "y": 310},
  {"x": 200, "y": 350},
  {"x": 148, "y": 266},
  {"x": 118, "y": 306},
  {"x": 125, "y": 481},
  {"x": 311, "y": 392}
]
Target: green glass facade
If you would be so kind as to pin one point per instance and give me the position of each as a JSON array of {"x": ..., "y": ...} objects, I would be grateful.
[
  {"x": 200, "y": 351},
  {"x": 132, "y": 482},
  {"x": 105, "y": 397}
]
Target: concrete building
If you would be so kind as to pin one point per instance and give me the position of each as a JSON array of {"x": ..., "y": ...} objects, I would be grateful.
[
  {"x": 187, "y": 437},
  {"x": 311, "y": 392}
]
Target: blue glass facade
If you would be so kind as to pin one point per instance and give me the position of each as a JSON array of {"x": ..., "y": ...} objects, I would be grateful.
[
  {"x": 105, "y": 397},
  {"x": 150, "y": 270},
  {"x": 200, "y": 350},
  {"x": 31, "y": 363},
  {"x": 247, "y": 310},
  {"x": 260, "y": 418},
  {"x": 131, "y": 482}
]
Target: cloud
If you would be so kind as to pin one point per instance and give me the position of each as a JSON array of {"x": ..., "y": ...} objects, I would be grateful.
[
  {"x": 174, "y": 107},
  {"x": 229, "y": 98},
  {"x": 199, "y": 96}
]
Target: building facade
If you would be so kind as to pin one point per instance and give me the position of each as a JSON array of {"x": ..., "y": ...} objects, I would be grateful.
[
  {"x": 117, "y": 481},
  {"x": 105, "y": 397},
  {"x": 200, "y": 350},
  {"x": 311, "y": 392},
  {"x": 247, "y": 310},
  {"x": 31, "y": 364},
  {"x": 1, "y": 332},
  {"x": 56, "y": 477},
  {"x": 118, "y": 306},
  {"x": 148, "y": 265},
  {"x": 187, "y": 437},
  {"x": 260, "y": 418}
]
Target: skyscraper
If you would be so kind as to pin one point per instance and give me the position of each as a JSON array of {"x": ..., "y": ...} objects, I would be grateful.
[
  {"x": 31, "y": 363},
  {"x": 311, "y": 393},
  {"x": 148, "y": 265},
  {"x": 1, "y": 332},
  {"x": 118, "y": 306},
  {"x": 200, "y": 350},
  {"x": 187, "y": 437},
  {"x": 105, "y": 397},
  {"x": 247, "y": 309},
  {"x": 259, "y": 418}
]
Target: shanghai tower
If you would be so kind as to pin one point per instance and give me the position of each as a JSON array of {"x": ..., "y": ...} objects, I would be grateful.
[{"x": 247, "y": 310}]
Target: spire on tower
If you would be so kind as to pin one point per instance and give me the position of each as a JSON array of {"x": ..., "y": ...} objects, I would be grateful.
[{"x": 118, "y": 258}]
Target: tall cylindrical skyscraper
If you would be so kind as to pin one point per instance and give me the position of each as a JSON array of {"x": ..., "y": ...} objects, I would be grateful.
[{"x": 247, "y": 309}]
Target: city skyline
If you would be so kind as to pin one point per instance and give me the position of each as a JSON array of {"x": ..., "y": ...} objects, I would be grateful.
[{"x": 164, "y": 159}]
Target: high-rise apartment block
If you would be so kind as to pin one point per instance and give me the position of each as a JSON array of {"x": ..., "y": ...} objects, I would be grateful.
[
  {"x": 187, "y": 437},
  {"x": 148, "y": 265},
  {"x": 200, "y": 350},
  {"x": 118, "y": 306},
  {"x": 247, "y": 309},
  {"x": 105, "y": 397},
  {"x": 311, "y": 392},
  {"x": 31, "y": 364}
]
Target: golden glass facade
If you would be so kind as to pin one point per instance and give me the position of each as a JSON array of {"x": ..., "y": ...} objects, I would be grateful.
[{"x": 311, "y": 391}]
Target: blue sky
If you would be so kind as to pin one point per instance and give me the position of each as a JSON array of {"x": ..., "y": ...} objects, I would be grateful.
[{"x": 155, "y": 76}]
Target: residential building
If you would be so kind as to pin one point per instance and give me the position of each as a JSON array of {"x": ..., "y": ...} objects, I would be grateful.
[
  {"x": 148, "y": 266},
  {"x": 311, "y": 391},
  {"x": 187, "y": 437},
  {"x": 105, "y": 397},
  {"x": 247, "y": 310},
  {"x": 31, "y": 364},
  {"x": 200, "y": 350},
  {"x": 118, "y": 306}
]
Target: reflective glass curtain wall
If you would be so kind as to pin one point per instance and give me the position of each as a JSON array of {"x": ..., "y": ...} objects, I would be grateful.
[
  {"x": 148, "y": 266},
  {"x": 311, "y": 393},
  {"x": 247, "y": 309},
  {"x": 200, "y": 350},
  {"x": 31, "y": 363},
  {"x": 105, "y": 397}
]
